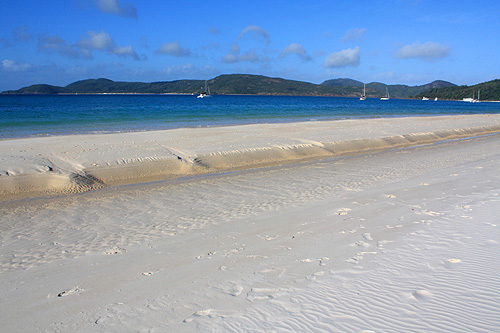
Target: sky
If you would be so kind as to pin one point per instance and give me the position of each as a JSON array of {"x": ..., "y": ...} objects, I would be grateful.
[{"x": 409, "y": 42}]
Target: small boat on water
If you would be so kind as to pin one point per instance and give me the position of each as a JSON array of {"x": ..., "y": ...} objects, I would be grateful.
[
  {"x": 362, "y": 98},
  {"x": 386, "y": 97},
  {"x": 425, "y": 98},
  {"x": 472, "y": 99},
  {"x": 204, "y": 93}
]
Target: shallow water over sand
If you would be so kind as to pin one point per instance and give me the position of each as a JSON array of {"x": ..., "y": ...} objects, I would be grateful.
[{"x": 33, "y": 116}]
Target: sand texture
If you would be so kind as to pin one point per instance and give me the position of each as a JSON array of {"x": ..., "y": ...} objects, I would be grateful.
[
  {"x": 396, "y": 240},
  {"x": 79, "y": 163}
]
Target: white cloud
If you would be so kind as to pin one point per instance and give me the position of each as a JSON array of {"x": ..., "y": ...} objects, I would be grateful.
[
  {"x": 344, "y": 58},
  {"x": 173, "y": 49},
  {"x": 115, "y": 7},
  {"x": 354, "y": 34},
  {"x": 102, "y": 41},
  {"x": 230, "y": 58},
  {"x": 125, "y": 51},
  {"x": 295, "y": 49},
  {"x": 13, "y": 66},
  {"x": 428, "y": 51},
  {"x": 91, "y": 41},
  {"x": 96, "y": 41}
]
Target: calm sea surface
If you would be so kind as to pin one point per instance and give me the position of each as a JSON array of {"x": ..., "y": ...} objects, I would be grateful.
[{"x": 29, "y": 116}]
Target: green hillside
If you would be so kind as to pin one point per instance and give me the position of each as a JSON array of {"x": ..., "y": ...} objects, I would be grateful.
[
  {"x": 236, "y": 84},
  {"x": 42, "y": 89},
  {"x": 377, "y": 89},
  {"x": 489, "y": 91},
  {"x": 243, "y": 84}
]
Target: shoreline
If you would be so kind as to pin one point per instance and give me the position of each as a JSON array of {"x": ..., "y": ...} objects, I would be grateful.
[
  {"x": 42, "y": 166},
  {"x": 274, "y": 95}
]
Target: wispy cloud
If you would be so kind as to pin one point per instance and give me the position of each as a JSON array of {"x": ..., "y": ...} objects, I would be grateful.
[
  {"x": 89, "y": 42},
  {"x": 22, "y": 33},
  {"x": 250, "y": 56},
  {"x": 214, "y": 30},
  {"x": 354, "y": 34},
  {"x": 13, "y": 66},
  {"x": 173, "y": 49},
  {"x": 116, "y": 8},
  {"x": 55, "y": 44},
  {"x": 187, "y": 70},
  {"x": 344, "y": 58},
  {"x": 256, "y": 31},
  {"x": 428, "y": 51},
  {"x": 295, "y": 49}
]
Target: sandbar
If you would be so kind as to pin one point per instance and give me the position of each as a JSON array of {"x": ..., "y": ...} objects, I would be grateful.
[{"x": 78, "y": 163}]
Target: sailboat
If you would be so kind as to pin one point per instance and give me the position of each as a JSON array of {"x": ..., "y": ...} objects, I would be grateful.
[
  {"x": 362, "y": 98},
  {"x": 472, "y": 99},
  {"x": 386, "y": 98},
  {"x": 204, "y": 93}
]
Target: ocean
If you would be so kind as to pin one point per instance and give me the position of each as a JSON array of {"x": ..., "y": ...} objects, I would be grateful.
[{"x": 47, "y": 115}]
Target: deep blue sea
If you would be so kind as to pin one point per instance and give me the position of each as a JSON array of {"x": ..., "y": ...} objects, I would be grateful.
[{"x": 30, "y": 116}]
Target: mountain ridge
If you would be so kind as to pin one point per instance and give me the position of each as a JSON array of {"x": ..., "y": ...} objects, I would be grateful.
[{"x": 248, "y": 84}]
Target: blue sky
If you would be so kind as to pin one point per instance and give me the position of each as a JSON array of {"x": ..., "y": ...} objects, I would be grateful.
[{"x": 395, "y": 41}]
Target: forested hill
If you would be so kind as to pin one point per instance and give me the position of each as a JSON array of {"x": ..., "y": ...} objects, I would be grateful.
[
  {"x": 238, "y": 84},
  {"x": 376, "y": 89},
  {"x": 246, "y": 84},
  {"x": 488, "y": 91}
]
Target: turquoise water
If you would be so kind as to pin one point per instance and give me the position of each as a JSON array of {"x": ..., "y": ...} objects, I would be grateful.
[{"x": 29, "y": 116}]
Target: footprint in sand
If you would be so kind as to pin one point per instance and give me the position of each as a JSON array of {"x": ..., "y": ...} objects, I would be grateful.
[
  {"x": 264, "y": 294},
  {"x": 453, "y": 261},
  {"x": 72, "y": 291},
  {"x": 362, "y": 244},
  {"x": 491, "y": 242},
  {"x": 233, "y": 289},
  {"x": 367, "y": 236},
  {"x": 115, "y": 250},
  {"x": 199, "y": 313},
  {"x": 343, "y": 211},
  {"x": 421, "y": 294}
]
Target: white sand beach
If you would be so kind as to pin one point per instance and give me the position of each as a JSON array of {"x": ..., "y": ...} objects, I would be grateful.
[{"x": 353, "y": 225}]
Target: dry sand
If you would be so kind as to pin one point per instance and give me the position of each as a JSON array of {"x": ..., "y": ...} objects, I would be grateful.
[{"x": 395, "y": 240}]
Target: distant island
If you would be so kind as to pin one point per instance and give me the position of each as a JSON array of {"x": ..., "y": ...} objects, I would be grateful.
[{"x": 246, "y": 84}]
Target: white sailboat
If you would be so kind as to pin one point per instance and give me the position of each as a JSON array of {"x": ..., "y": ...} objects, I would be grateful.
[
  {"x": 362, "y": 98},
  {"x": 386, "y": 97},
  {"x": 204, "y": 93},
  {"x": 472, "y": 99}
]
